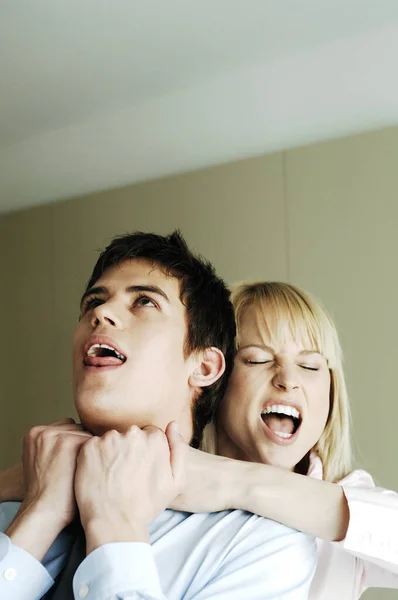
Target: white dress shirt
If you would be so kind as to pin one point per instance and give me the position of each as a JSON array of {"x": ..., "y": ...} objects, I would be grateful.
[
  {"x": 368, "y": 556},
  {"x": 227, "y": 555}
]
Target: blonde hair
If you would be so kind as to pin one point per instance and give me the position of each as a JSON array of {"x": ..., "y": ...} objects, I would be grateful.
[{"x": 283, "y": 310}]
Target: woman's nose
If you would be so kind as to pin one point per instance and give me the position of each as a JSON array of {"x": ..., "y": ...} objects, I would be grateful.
[{"x": 285, "y": 379}]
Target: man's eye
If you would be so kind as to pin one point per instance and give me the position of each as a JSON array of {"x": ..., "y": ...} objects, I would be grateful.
[
  {"x": 90, "y": 304},
  {"x": 145, "y": 301}
]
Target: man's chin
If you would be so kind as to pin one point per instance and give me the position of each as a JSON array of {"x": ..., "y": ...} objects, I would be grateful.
[
  {"x": 98, "y": 426},
  {"x": 97, "y": 422}
]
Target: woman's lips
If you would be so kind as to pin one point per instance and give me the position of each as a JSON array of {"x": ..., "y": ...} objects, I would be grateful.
[{"x": 277, "y": 439}]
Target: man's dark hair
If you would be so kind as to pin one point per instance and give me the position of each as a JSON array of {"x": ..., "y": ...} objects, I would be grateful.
[{"x": 205, "y": 296}]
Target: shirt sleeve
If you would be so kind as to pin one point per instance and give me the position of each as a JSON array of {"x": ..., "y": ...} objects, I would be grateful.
[
  {"x": 372, "y": 534},
  {"x": 267, "y": 563},
  {"x": 118, "y": 571},
  {"x": 22, "y": 577}
]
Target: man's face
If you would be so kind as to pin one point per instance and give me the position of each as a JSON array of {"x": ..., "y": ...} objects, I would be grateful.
[{"x": 128, "y": 352}]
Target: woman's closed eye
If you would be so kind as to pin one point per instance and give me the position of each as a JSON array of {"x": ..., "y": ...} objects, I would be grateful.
[
  {"x": 264, "y": 361},
  {"x": 309, "y": 368}
]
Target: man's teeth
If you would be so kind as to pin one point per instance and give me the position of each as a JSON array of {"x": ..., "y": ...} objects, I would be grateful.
[
  {"x": 289, "y": 411},
  {"x": 92, "y": 351}
]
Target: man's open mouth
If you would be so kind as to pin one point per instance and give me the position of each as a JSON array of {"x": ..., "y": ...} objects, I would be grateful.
[
  {"x": 283, "y": 420},
  {"x": 103, "y": 355}
]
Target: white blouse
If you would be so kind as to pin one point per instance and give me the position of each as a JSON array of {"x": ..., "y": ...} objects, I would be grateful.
[{"x": 368, "y": 556}]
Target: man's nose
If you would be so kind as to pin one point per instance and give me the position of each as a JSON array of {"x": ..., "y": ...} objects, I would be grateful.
[{"x": 106, "y": 314}]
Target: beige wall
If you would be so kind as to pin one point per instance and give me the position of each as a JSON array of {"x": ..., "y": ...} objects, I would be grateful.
[{"x": 324, "y": 217}]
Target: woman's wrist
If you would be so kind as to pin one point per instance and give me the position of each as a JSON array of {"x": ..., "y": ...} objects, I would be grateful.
[
  {"x": 105, "y": 531},
  {"x": 34, "y": 529}
]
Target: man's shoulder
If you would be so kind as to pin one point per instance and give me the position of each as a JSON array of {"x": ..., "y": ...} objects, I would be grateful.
[
  {"x": 223, "y": 544},
  {"x": 237, "y": 525}
]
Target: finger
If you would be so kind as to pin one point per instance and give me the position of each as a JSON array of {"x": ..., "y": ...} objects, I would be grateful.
[
  {"x": 67, "y": 421},
  {"x": 151, "y": 429},
  {"x": 133, "y": 430},
  {"x": 69, "y": 427},
  {"x": 177, "y": 447},
  {"x": 54, "y": 427},
  {"x": 71, "y": 437}
]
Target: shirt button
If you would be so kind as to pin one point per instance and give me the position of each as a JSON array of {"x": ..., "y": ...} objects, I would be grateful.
[
  {"x": 9, "y": 574},
  {"x": 83, "y": 591}
]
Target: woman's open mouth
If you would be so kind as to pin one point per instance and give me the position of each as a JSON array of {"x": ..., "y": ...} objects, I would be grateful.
[{"x": 281, "y": 423}]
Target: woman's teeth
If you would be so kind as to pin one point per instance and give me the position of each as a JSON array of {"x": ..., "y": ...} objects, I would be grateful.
[
  {"x": 283, "y": 435},
  {"x": 282, "y": 419},
  {"x": 289, "y": 411}
]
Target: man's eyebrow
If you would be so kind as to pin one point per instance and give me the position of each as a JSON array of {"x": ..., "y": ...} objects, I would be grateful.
[
  {"x": 154, "y": 289},
  {"x": 131, "y": 289}
]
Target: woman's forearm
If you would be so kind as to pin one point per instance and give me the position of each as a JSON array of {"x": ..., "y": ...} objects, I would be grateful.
[
  {"x": 309, "y": 505},
  {"x": 11, "y": 484}
]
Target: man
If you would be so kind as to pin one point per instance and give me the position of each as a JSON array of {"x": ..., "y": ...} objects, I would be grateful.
[{"x": 151, "y": 356}]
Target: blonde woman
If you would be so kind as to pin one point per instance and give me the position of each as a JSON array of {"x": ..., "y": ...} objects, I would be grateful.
[{"x": 283, "y": 433}]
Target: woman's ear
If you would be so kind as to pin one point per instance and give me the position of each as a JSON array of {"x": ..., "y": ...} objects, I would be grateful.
[{"x": 210, "y": 365}]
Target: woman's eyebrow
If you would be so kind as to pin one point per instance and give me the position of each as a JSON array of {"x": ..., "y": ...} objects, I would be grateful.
[
  {"x": 259, "y": 346},
  {"x": 272, "y": 350}
]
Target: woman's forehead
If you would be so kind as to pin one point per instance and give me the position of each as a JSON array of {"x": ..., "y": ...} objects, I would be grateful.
[{"x": 274, "y": 328}]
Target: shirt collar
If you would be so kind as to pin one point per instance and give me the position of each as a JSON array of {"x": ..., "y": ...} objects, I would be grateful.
[{"x": 316, "y": 468}]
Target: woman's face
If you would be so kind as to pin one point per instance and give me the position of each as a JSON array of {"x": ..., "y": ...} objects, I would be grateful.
[{"x": 277, "y": 402}]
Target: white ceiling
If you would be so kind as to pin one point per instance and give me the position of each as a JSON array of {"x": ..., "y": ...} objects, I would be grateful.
[{"x": 95, "y": 94}]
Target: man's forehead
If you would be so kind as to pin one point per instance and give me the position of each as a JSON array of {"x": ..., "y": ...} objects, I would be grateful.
[{"x": 139, "y": 271}]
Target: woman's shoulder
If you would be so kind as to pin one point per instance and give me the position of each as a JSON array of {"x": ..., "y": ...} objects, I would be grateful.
[{"x": 358, "y": 478}]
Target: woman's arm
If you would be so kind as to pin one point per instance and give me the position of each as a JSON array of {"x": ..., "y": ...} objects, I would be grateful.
[
  {"x": 12, "y": 484},
  {"x": 362, "y": 517},
  {"x": 316, "y": 507},
  {"x": 215, "y": 483}
]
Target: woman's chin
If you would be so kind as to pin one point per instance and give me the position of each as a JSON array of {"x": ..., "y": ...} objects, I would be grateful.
[{"x": 280, "y": 461}]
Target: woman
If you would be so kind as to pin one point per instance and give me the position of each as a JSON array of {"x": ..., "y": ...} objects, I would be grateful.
[{"x": 283, "y": 435}]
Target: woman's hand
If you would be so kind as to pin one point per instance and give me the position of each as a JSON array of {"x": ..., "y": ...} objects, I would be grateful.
[
  {"x": 123, "y": 482},
  {"x": 209, "y": 482},
  {"x": 49, "y": 465}
]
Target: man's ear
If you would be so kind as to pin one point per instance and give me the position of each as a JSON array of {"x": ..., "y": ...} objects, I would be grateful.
[{"x": 210, "y": 365}]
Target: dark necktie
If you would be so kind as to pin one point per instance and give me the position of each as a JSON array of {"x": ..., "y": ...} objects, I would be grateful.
[{"x": 62, "y": 588}]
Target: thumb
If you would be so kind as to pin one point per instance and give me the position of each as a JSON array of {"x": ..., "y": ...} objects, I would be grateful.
[{"x": 177, "y": 450}]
